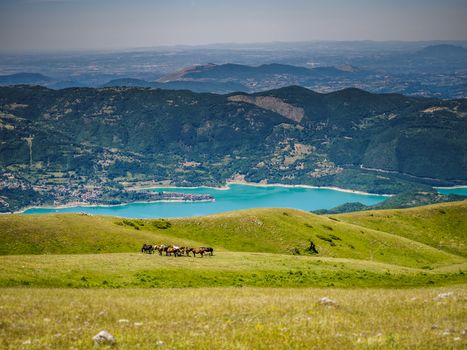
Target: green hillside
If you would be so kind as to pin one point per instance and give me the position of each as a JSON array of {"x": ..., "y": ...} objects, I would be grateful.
[
  {"x": 280, "y": 231},
  {"x": 72, "y": 234},
  {"x": 442, "y": 226},
  {"x": 398, "y": 201},
  {"x": 77, "y": 144}
]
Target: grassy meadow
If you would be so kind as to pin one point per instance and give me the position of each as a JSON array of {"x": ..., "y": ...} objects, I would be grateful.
[
  {"x": 235, "y": 318},
  {"x": 65, "y": 277}
]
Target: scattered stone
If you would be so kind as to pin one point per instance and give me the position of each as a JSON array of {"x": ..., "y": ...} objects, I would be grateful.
[
  {"x": 104, "y": 337},
  {"x": 457, "y": 338},
  {"x": 160, "y": 343},
  {"x": 444, "y": 296},
  {"x": 327, "y": 301},
  {"x": 102, "y": 313},
  {"x": 434, "y": 326},
  {"x": 123, "y": 320},
  {"x": 27, "y": 342},
  {"x": 138, "y": 324}
]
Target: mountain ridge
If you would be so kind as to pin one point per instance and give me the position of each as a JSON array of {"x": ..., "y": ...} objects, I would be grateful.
[{"x": 59, "y": 140}]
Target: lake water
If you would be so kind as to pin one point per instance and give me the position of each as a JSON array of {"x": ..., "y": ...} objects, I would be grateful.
[
  {"x": 234, "y": 198},
  {"x": 454, "y": 190}
]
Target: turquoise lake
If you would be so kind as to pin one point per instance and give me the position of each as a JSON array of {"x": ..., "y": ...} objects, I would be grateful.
[
  {"x": 234, "y": 198},
  {"x": 458, "y": 190}
]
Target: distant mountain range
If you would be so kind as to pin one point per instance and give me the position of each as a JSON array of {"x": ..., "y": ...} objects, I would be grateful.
[
  {"x": 62, "y": 143},
  {"x": 419, "y": 73},
  {"x": 25, "y": 78},
  {"x": 227, "y": 78},
  {"x": 443, "y": 51}
]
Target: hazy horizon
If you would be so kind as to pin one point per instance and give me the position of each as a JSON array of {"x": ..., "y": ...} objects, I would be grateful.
[{"x": 61, "y": 25}]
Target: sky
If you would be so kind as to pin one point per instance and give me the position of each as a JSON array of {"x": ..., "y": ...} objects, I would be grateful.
[{"x": 117, "y": 24}]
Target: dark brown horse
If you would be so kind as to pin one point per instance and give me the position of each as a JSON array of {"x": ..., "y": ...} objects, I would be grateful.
[
  {"x": 147, "y": 248},
  {"x": 185, "y": 251},
  {"x": 209, "y": 250}
]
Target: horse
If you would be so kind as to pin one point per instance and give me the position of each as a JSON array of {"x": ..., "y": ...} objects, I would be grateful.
[
  {"x": 173, "y": 249},
  {"x": 209, "y": 250},
  {"x": 161, "y": 248},
  {"x": 147, "y": 248},
  {"x": 199, "y": 251}
]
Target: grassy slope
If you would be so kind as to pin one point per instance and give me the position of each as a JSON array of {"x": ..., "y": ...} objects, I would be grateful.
[
  {"x": 442, "y": 226},
  {"x": 224, "y": 269},
  {"x": 252, "y": 249},
  {"x": 257, "y": 230},
  {"x": 234, "y": 318},
  {"x": 72, "y": 234}
]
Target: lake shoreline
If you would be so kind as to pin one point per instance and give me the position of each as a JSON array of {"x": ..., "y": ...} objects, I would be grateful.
[
  {"x": 254, "y": 184},
  {"x": 90, "y": 205},
  {"x": 450, "y": 187}
]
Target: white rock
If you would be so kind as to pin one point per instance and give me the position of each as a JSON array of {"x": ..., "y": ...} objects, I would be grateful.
[
  {"x": 27, "y": 342},
  {"x": 104, "y": 337},
  {"x": 138, "y": 324},
  {"x": 159, "y": 343},
  {"x": 444, "y": 296},
  {"x": 123, "y": 320},
  {"x": 327, "y": 301}
]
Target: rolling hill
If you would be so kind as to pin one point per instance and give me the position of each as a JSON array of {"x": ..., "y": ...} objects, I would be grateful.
[
  {"x": 442, "y": 226},
  {"x": 277, "y": 231},
  {"x": 261, "y": 247}
]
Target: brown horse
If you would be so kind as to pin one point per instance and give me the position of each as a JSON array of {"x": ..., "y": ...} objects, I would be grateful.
[
  {"x": 173, "y": 250},
  {"x": 199, "y": 251},
  {"x": 161, "y": 248}
]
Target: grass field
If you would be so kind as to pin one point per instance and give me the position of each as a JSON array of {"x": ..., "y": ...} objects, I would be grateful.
[
  {"x": 122, "y": 270},
  {"x": 235, "y": 318},
  {"x": 64, "y": 278}
]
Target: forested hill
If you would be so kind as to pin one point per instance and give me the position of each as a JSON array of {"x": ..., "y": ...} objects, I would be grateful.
[{"x": 54, "y": 142}]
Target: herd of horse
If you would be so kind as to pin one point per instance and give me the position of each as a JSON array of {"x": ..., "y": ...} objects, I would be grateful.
[{"x": 176, "y": 250}]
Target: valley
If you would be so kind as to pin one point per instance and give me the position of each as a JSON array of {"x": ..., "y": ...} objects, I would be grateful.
[{"x": 133, "y": 136}]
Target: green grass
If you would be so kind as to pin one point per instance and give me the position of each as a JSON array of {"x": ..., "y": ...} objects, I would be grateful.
[
  {"x": 73, "y": 234},
  {"x": 65, "y": 277},
  {"x": 234, "y": 318},
  {"x": 257, "y": 230},
  {"x": 224, "y": 269},
  {"x": 442, "y": 226}
]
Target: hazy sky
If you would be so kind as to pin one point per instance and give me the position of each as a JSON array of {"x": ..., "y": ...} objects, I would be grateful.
[{"x": 108, "y": 24}]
